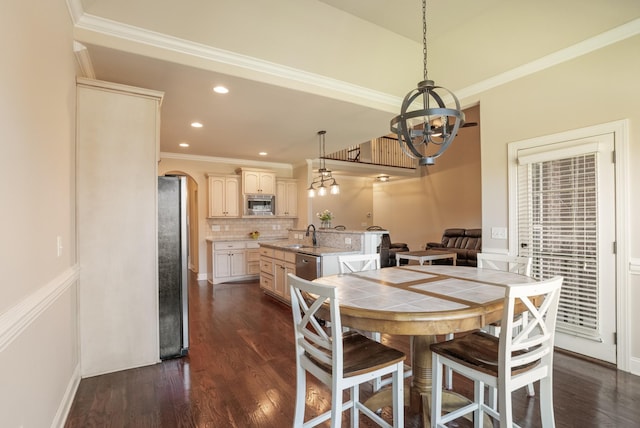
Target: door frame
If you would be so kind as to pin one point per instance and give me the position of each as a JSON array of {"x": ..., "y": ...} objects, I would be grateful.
[{"x": 621, "y": 146}]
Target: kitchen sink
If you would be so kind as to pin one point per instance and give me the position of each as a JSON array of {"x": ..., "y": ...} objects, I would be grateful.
[{"x": 297, "y": 246}]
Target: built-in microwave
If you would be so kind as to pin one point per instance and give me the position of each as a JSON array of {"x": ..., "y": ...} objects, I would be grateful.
[{"x": 259, "y": 204}]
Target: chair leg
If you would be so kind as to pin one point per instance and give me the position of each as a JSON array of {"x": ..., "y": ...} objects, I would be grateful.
[
  {"x": 478, "y": 395},
  {"x": 448, "y": 383},
  {"x": 336, "y": 406},
  {"x": 504, "y": 406},
  {"x": 398, "y": 397},
  {"x": 546, "y": 403},
  {"x": 355, "y": 398},
  {"x": 530, "y": 391},
  {"x": 301, "y": 397},
  {"x": 436, "y": 391}
]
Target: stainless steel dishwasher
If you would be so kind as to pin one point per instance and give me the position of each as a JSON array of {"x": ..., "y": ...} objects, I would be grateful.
[{"x": 308, "y": 266}]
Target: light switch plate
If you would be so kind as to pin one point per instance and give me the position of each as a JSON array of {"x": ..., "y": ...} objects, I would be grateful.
[{"x": 499, "y": 232}]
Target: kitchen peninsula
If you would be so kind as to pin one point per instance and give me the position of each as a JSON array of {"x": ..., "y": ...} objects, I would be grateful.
[{"x": 272, "y": 258}]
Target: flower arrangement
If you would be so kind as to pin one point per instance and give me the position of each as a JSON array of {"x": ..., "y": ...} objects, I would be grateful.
[
  {"x": 325, "y": 215},
  {"x": 254, "y": 235}
]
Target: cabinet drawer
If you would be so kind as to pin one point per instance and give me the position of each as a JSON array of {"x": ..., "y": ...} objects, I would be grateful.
[
  {"x": 290, "y": 257},
  {"x": 266, "y": 282},
  {"x": 264, "y": 251},
  {"x": 252, "y": 245},
  {"x": 253, "y": 255},
  {"x": 253, "y": 267},
  {"x": 229, "y": 245},
  {"x": 266, "y": 265}
]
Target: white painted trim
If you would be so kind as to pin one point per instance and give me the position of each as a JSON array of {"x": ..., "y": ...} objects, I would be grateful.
[
  {"x": 634, "y": 266},
  {"x": 233, "y": 59},
  {"x": 232, "y": 161},
  {"x": 391, "y": 102},
  {"x": 67, "y": 400},
  {"x": 84, "y": 60},
  {"x": 634, "y": 366},
  {"x": 202, "y": 276},
  {"x": 621, "y": 138},
  {"x": 584, "y": 47},
  {"x": 20, "y": 316},
  {"x": 117, "y": 87}
]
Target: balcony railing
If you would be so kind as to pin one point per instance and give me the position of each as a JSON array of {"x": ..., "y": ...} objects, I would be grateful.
[{"x": 384, "y": 151}]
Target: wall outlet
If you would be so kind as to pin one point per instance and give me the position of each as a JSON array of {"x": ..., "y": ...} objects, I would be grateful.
[
  {"x": 499, "y": 232},
  {"x": 347, "y": 241},
  {"x": 215, "y": 228},
  {"x": 274, "y": 227}
]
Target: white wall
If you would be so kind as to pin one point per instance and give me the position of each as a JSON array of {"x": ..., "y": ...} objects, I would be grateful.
[{"x": 38, "y": 328}]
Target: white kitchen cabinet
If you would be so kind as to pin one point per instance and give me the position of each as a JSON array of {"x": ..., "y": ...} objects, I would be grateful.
[
  {"x": 224, "y": 195},
  {"x": 258, "y": 182},
  {"x": 286, "y": 198},
  {"x": 275, "y": 265},
  {"x": 117, "y": 135},
  {"x": 234, "y": 260}
]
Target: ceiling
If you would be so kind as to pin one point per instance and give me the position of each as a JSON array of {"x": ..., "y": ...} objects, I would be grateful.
[{"x": 282, "y": 91}]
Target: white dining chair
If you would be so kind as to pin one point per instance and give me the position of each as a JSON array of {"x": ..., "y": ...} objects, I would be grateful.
[
  {"x": 516, "y": 264},
  {"x": 341, "y": 360},
  {"x": 350, "y": 263},
  {"x": 506, "y": 363}
]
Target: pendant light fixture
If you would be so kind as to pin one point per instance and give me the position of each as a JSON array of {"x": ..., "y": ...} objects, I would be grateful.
[
  {"x": 426, "y": 133},
  {"x": 324, "y": 175}
]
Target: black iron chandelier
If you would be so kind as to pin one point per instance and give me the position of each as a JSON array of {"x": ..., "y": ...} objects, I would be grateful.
[
  {"x": 433, "y": 124},
  {"x": 324, "y": 175}
]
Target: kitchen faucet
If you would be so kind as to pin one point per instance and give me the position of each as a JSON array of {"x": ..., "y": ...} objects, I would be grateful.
[{"x": 314, "y": 239}]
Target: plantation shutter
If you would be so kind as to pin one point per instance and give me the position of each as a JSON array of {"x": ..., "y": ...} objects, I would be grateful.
[{"x": 558, "y": 229}]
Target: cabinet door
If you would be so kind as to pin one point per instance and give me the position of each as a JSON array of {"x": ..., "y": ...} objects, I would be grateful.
[
  {"x": 267, "y": 183},
  {"x": 217, "y": 191},
  {"x": 258, "y": 182},
  {"x": 279, "y": 278},
  {"x": 221, "y": 264},
  {"x": 287, "y": 198},
  {"x": 232, "y": 197},
  {"x": 237, "y": 262},
  {"x": 224, "y": 196}
]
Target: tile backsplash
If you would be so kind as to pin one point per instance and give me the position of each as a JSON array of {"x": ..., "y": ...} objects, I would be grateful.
[{"x": 239, "y": 228}]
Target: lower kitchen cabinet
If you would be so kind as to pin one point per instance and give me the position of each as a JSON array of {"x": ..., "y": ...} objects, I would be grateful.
[
  {"x": 275, "y": 265},
  {"x": 233, "y": 260}
]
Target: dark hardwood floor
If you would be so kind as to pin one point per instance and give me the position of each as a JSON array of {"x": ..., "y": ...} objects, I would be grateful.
[{"x": 240, "y": 372}]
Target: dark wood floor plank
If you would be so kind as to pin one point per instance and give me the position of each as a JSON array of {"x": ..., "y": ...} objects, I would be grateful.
[{"x": 240, "y": 373}]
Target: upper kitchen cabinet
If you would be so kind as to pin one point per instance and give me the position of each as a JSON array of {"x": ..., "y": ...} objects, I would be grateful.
[
  {"x": 117, "y": 135},
  {"x": 287, "y": 198},
  {"x": 224, "y": 195},
  {"x": 258, "y": 181}
]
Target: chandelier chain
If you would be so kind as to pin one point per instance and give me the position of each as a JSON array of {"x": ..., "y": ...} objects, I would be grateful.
[{"x": 424, "y": 37}]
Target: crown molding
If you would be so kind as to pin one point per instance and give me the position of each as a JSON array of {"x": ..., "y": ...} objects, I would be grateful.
[
  {"x": 163, "y": 41},
  {"x": 228, "y": 161},
  {"x": 584, "y": 47},
  {"x": 84, "y": 61}
]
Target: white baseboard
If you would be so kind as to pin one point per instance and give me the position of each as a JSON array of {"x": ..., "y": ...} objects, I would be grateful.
[
  {"x": 202, "y": 277},
  {"x": 67, "y": 400},
  {"x": 634, "y": 366}
]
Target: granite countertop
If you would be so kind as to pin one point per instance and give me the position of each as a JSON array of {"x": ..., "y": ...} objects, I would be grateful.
[
  {"x": 296, "y": 247},
  {"x": 259, "y": 240}
]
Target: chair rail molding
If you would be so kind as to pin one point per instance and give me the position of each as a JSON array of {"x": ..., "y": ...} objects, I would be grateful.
[{"x": 19, "y": 317}]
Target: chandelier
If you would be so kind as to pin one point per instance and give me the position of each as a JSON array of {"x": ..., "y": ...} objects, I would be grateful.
[
  {"x": 426, "y": 133},
  {"x": 324, "y": 175}
]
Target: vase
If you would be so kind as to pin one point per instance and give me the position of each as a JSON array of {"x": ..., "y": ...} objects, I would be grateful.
[{"x": 325, "y": 224}]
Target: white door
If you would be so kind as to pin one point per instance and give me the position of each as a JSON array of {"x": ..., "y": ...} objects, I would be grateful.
[{"x": 566, "y": 223}]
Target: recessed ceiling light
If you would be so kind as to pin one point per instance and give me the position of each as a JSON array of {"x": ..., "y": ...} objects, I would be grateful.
[
  {"x": 184, "y": 144},
  {"x": 220, "y": 90},
  {"x": 196, "y": 125},
  {"x": 262, "y": 153}
]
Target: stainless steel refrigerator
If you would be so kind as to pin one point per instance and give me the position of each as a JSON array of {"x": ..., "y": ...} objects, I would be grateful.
[{"x": 172, "y": 267}]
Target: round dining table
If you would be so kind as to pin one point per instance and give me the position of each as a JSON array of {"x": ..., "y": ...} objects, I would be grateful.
[{"x": 422, "y": 302}]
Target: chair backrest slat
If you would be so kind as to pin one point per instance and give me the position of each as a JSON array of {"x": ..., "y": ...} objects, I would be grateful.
[
  {"x": 515, "y": 264},
  {"x": 358, "y": 262}
]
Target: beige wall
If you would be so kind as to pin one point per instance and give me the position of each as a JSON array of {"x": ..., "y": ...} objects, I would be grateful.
[
  {"x": 38, "y": 328},
  {"x": 596, "y": 88},
  {"x": 417, "y": 210}
]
